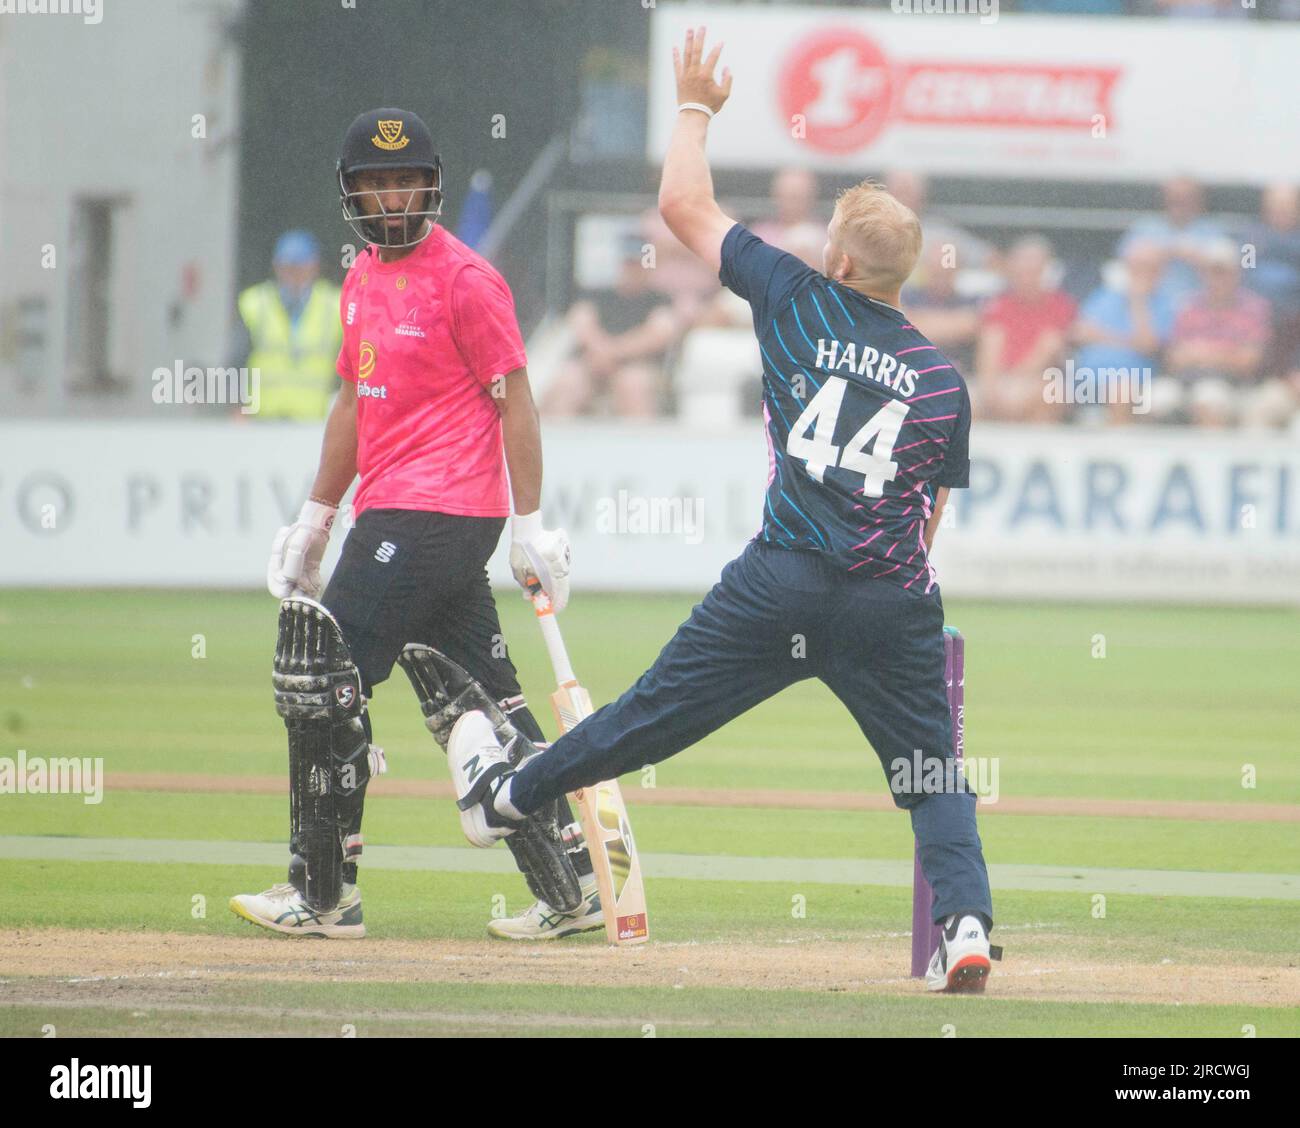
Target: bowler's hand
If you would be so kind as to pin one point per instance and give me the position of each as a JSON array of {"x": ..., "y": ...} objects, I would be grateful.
[{"x": 695, "y": 73}]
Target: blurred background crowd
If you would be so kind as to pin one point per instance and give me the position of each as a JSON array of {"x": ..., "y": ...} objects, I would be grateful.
[
  {"x": 1109, "y": 192},
  {"x": 214, "y": 237},
  {"x": 1206, "y": 305}
]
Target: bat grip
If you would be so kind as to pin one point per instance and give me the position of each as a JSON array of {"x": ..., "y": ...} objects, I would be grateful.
[{"x": 553, "y": 639}]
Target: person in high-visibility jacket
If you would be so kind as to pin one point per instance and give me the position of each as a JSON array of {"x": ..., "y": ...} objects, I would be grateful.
[{"x": 294, "y": 332}]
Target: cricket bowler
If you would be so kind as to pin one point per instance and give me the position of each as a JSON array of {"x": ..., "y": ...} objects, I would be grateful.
[
  {"x": 435, "y": 406},
  {"x": 867, "y": 426}
]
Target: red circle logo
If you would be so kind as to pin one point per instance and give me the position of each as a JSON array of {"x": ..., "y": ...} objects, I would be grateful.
[{"x": 837, "y": 85}]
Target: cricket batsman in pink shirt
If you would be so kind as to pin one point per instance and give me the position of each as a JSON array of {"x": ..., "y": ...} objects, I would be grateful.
[{"x": 436, "y": 416}]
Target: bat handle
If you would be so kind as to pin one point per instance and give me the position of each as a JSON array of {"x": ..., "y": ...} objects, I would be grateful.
[{"x": 555, "y": 647}]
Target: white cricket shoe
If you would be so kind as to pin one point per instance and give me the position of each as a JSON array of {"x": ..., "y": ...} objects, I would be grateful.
[
  {"x": 478, "y": 763},
  {"x": 541, "y": 922},
  {"x": 282, "y": 909},
  {"x": 963, "y": 959}
]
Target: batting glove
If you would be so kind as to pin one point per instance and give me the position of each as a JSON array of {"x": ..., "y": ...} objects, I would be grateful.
[
  {"x": 542, "y": 556},
  {"x": 297, "y": 550}
]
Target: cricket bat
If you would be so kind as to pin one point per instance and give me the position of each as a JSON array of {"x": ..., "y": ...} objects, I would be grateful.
[{"x": 602, "y": 814}]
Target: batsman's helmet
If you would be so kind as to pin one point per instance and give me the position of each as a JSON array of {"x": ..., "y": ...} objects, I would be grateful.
[{"x": 389, "y": 138}]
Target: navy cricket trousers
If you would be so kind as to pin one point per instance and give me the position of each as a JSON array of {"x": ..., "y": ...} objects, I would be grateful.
[{"x": 775, "y": 617}]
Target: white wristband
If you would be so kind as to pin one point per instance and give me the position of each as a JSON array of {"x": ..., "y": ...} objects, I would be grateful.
[
  {"x": 317, "y": 515},
  {"x": 526, "y": 526},
  {"x": 695, "y": 106}
]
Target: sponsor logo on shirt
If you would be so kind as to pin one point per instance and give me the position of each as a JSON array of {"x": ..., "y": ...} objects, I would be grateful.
[
  {"x": 366, "y": 360},
  {"x": 410, "y": 324},
  {"x": 379, "y": 391},
  {"x": 352, "y": 312}
]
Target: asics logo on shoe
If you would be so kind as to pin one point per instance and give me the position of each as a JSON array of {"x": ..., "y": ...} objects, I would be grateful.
[{"x": 298, "y": 916}]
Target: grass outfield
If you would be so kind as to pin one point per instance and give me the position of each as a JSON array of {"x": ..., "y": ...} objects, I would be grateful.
[
  {"x": 1183, "y": 705},
  {"x": 1181, "y": 701},
  {"x": 1167, "y": 844}
]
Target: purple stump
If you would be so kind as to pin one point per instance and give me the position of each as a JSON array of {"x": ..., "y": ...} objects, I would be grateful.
[{"x": 925, "y": 933}]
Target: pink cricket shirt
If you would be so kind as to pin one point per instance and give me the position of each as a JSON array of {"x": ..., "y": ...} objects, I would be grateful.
[{"x": 423, "y": 340}]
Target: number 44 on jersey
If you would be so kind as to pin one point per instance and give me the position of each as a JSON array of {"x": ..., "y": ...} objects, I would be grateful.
[{"x": 819, "y": 451}]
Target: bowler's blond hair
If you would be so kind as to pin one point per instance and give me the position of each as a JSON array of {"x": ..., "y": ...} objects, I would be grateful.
[{"x": 881, "y": 235}]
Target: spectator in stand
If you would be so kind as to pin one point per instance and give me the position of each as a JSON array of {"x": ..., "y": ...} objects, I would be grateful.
[
  {"x": 913, "y": 190},
  {"x": 794, "y": 226},
  {"x": 621, "y": 341},
  {"x": 1022, "y": 334},
  {"x": 1275, "y": 240},
  {"x": 673, "y": 271},
  {"x": 720, "y": 371},
  {"x": 1126, "y": 327},
  {"x": 938, "y": 310},
  {"x": 1216, "y": 350},
  {"x": 1184, "y": 230}
]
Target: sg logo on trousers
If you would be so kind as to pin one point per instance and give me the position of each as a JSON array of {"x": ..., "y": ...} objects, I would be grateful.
[{"x": 384, "y": 553}]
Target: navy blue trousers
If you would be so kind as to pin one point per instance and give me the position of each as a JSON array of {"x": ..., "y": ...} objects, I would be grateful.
[{"x": 774, "y": 618}]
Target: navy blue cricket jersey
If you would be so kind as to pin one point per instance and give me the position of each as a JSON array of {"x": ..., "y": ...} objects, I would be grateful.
[{"x": 865, "y": 418}]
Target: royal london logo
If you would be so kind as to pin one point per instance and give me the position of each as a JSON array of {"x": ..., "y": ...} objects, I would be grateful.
[
  {"x": 390, "y": 136},
  {"x": 409, "y": 326}
]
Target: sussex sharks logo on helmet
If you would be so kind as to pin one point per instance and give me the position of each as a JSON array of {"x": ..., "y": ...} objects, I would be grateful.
[
  {"x": 390, "y": 136},
  {"x": 385, "y": 139}
]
